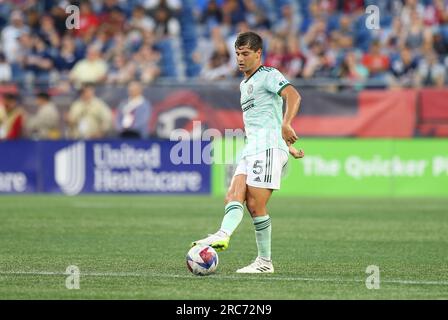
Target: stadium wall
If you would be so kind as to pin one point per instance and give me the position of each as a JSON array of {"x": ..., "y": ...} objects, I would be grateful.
[{"x": 400, "y": 113}]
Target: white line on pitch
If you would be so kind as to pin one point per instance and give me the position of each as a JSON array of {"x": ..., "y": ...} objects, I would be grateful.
[{"x": 229, "y": 277}]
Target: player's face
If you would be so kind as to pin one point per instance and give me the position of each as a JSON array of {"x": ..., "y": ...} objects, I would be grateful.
[{"x": 247, "y": 59}]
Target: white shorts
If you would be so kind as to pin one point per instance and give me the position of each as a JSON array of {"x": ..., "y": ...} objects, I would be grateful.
[{"x": 264, "y": 169}]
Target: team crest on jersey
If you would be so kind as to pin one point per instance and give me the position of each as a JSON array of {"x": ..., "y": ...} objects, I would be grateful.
[{"x": 250, "y": 89}]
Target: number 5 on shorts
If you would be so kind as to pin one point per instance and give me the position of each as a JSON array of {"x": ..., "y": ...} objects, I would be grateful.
[{"x": 258, "y": 169}]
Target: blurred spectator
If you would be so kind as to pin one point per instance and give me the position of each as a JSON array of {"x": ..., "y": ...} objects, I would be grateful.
[
  {"x": 431, "y": 73},
  {"x": 440, "y": 45},
  {"x": 393, "y": 37},
  {"x": 92, "y": 69},
  {"x": 119, "y": 45},
  {"x": 218, "y": 66},
  {"x": 233, "y": 12},
  {"x": 32, "y": 17},
  {"x": 38, "y": 63},
  {"x": 230, "y": 40},
  {"x": 5, "y": 69},
  {"x": 441, "y": 11},
  {"x": 165, "y": 20},
  {"x": 133, "y": 113},
  {"x": 89, "y": 117},
  {"x": 276, "y": 54},
  {"x": 318, "y": 64},
  {"x": 140, "y": 21},
  {"x": 344, "y": 34},
  {"x": 410, "y": 10},
  {"x": 45, "y": 123},
  {"x": 211, "y": 16},
  {"x": 206, "y": 46},
  {"x": 288, "y": 23},
  {"x": 376, "y": 62},
  {"x": 260, "y": 21},
  {"x": 352, "y": 70},
  {"x": 146, "y": 62},
  {"x": 88, "y": 20},
  {"x": 11, "y": 118},
  {"x": 413, "y": 35},
  {"x": 59, "y": 16},
  {"x": 121, "y": 70},
  {"x": 113, "y": 22},
  {"x": 404, "y": 69},
  {"x": 48, "y": 33},
  {"x": 11, "y": 34},
  {"x": 66, "y": 58},
  {"x": 316, "y": 33},
  {"x": 294, "y": 59}
]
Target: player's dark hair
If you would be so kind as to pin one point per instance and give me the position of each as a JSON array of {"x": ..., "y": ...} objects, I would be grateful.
[{"x": 250, "y": 39}]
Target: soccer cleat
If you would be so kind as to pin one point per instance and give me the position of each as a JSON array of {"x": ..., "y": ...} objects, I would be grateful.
[
  {"x": 258, "y": 266},
  {"x": 218, "y": 241}
]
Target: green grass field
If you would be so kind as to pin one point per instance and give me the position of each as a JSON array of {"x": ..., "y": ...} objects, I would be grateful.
[{"x": 133, "y": 247}]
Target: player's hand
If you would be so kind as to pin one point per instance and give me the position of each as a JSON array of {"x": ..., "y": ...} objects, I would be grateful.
[
  {"x": 297, "y": 154},
  {"x": 288, "y": 134}
]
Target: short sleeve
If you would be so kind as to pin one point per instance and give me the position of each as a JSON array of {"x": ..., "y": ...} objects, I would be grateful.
[{"x": 275, "y": 81}]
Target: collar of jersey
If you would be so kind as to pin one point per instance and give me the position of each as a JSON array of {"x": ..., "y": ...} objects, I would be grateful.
[{"x": 258, "y": 69}]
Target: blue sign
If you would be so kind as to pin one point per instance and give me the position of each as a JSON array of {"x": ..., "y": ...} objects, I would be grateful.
[
  {"x": 133, "y": 166},
  {"x": 18, "y": 166}
]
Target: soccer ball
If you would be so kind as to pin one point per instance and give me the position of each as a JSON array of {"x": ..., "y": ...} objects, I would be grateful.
[{"x": 202, "y": 260}]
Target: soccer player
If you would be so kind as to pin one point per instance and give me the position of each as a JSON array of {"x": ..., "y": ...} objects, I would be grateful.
[{"x": 269, "y": 138}]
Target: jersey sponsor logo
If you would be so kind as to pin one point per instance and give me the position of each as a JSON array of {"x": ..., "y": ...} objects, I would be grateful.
[
  {"x": 248, "y": 107},
  {"x": 245, "y": 106},
  {"x": 69, "y": 167}
]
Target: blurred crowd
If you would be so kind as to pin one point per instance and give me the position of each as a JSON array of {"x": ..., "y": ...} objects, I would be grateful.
[
  {"x": 117, "y": 40},
  {"x": 329, "y": 39},
  {"x": 137, "y": 42},
  {"x": 88, "y": 117}
]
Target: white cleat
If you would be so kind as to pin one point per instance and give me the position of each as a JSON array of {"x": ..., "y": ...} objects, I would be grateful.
[{"x": 260, "y": 265}]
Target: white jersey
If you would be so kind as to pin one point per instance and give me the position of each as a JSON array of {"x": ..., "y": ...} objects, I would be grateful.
[{"x": 262, "y": 104}]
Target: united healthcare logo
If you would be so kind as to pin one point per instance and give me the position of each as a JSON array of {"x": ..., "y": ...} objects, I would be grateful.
[{"x": 70, "y": 168}]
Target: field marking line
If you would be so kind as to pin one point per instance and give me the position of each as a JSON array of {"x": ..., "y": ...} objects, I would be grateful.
[{"x": 228, "y": 277}]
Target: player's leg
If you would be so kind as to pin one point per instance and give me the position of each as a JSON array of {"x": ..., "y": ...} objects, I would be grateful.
[
  {"x": 234, "y": 201},
  {"x": 233, "y": 211},
  {"x": 256, "y": 202},
  {"x": 259, "y": 190}
]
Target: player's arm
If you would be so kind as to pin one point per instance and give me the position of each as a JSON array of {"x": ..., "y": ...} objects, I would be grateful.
[{"x": 292, "y": 99}]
